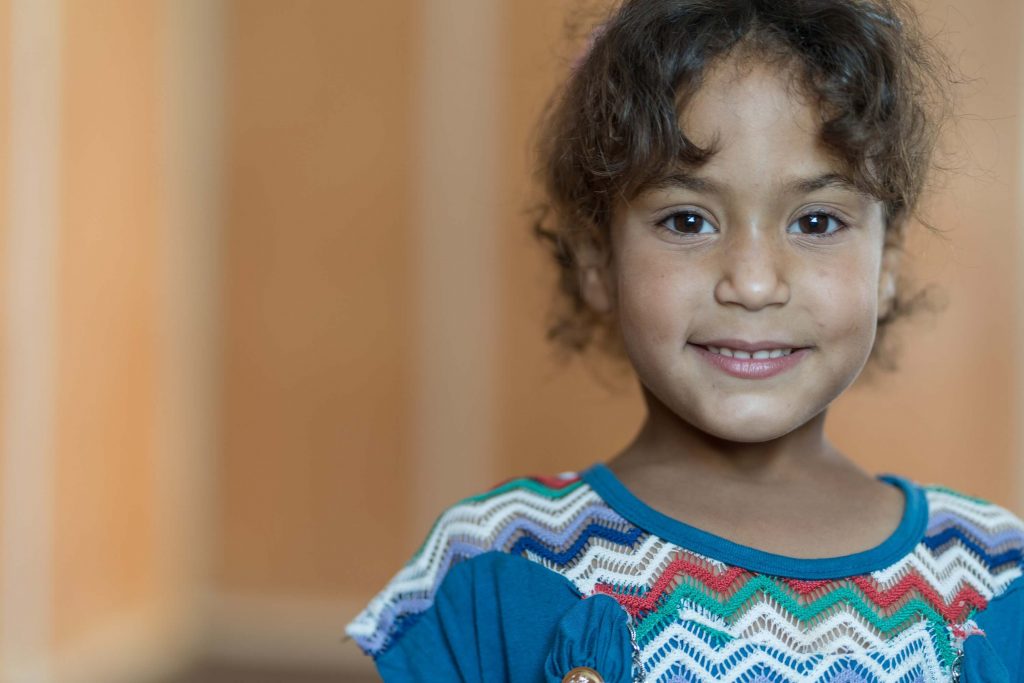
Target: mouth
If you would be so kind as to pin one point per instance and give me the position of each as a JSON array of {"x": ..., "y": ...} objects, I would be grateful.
[{"x": 766, "y": 360}]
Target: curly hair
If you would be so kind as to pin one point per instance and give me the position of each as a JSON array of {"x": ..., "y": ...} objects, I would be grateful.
[{"x": 613, "y": 128}]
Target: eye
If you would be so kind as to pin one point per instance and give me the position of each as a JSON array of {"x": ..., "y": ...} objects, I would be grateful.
[
  {"x": 820, "y": 224},
  {"x": 686, "y": 223}
]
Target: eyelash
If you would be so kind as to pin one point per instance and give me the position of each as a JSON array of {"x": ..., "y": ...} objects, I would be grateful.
[{"x": 843, "y": 225}]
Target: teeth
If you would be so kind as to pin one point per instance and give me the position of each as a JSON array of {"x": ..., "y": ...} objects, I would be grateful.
[
  {"x": 721, "y": 351},
  {"x": 736, "y": 353}
]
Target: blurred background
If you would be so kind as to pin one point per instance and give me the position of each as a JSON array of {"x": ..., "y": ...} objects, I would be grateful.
[{"x": 269, "y": 302}]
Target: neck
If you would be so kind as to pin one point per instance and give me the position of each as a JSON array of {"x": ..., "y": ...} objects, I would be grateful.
[{"x": 666, "y": 441}]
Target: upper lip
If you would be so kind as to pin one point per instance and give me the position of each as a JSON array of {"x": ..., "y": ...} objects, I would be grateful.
[{"x": 740, "y": 345}]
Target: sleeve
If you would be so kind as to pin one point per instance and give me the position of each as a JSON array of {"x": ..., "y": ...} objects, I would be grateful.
[
  {"x": 460, "y": 611},
  {"x": 998, "y": 655},
  {"x": 501, "y": 617}
]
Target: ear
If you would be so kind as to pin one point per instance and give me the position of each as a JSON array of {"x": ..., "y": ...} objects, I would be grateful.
[
  {"x": 888, "y": 274},
  {"x": 595, "y": 276}
]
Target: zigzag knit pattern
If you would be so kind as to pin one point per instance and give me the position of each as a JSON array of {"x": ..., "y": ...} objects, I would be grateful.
[{"x": 697, "y": 618}]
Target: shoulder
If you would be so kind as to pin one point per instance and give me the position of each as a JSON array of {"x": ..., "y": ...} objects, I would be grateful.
[
  {"x": 529, "y": 516},
  {"x": 979, "y": 534},
  {"x": 979, "y": 548}
]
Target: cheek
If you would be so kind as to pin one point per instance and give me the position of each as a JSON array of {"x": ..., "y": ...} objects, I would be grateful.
[
  {"x": 846, "y": 305},
  {"x": 655, "y": 300}
]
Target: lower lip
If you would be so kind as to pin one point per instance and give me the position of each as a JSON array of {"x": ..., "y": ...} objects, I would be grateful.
[{"x": 752, "y": 368}]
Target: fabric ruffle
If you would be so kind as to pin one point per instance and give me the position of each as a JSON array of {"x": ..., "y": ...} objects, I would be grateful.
[
  {"x": 593, "y": 633},
  {"x": 980, "y": 663}
]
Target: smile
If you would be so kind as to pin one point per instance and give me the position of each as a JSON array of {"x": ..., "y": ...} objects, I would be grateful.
[{"x": 759, "y": 364}]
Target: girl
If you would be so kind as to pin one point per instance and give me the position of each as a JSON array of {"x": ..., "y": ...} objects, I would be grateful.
[{"x": 728, "y": 185}]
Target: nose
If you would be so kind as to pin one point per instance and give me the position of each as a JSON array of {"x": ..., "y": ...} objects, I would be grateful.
[{"x": 753, "y": 270}]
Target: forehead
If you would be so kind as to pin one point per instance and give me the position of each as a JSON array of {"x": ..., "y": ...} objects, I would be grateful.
[{"x": 751, "y": 111}]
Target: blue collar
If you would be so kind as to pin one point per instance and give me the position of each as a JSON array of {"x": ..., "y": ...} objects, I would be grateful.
[{"x": 902, "y": 541}]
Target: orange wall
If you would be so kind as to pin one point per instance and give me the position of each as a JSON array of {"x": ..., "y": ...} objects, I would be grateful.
[
  {"x": 319, "y": 377},
  {"x": 318, "y": 348},
  {"x": 317, "y": 284},
  {"x": 949, "y": 415},
  {"x": 108, "y": 336},
  {"x": 553, "y": 417}
]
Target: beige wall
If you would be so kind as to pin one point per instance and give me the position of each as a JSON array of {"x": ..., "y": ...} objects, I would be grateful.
[
  {"x": 89, "y": 591},
  {"x": 5, "y": 88},
  {"x": 26, "y": 429},
  {"x": 298, "y": 310}
]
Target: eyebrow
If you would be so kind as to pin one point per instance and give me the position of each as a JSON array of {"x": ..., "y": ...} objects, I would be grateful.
[{"x": 687, "y": 181}]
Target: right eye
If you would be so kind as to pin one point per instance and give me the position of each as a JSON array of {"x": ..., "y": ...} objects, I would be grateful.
[{"x": 686, "y": 223}]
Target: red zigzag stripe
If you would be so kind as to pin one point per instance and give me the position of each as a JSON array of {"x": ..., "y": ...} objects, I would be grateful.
[
  {"x": 722, "y": 582},
  {"x": 551, "y": 482}
]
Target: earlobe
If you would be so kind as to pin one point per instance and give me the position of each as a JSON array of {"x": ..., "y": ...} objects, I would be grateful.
[
  {"x": 887, "y": 281},
  {"x": 594, "y": 281},
  {"x": 594, "y": 289},
  {"x": 886, "y": 295}
]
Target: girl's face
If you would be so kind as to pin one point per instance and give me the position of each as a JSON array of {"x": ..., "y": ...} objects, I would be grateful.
[{"x": 766, "y": 242}]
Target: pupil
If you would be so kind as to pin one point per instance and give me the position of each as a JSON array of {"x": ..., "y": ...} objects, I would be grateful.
[{"x": 815, "y": 223}]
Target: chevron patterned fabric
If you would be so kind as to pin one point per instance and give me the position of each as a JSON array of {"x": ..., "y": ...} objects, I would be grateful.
[{"x": 699, "y": 618}]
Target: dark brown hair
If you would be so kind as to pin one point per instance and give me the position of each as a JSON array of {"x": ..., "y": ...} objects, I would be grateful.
[{"x": 614, "y": 125}]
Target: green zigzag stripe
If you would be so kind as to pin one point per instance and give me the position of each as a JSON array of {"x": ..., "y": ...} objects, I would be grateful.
[
  {"x": 958, "y": 494},
  {"x": 722, "y": 636},
  {"x": 520, "y": 483},
  {"x": 529, "y": 484},
  {"x": 669, "y": 609}
]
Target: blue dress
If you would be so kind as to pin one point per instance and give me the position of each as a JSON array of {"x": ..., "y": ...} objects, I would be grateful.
[{"x": 539, "y": 576}]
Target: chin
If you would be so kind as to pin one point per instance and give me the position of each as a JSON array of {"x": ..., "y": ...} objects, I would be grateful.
[
  {"x": 740, "y": 432},
  {"x": 756, "y": 424}
]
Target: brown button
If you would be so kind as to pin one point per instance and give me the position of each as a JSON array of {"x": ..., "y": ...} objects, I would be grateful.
[{"x": 582, "y": 674}]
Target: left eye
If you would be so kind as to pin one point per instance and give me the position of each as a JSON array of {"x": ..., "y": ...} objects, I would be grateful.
[
  {"x": 817, "y": 223},
  {"x": 686, "y": 223}
]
